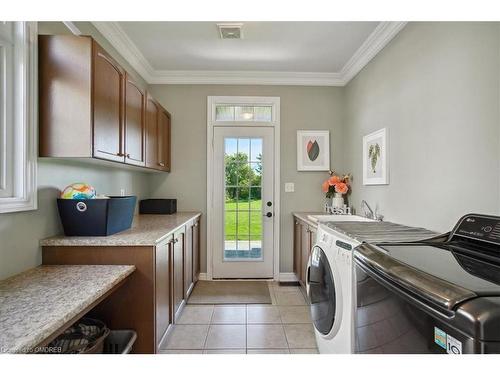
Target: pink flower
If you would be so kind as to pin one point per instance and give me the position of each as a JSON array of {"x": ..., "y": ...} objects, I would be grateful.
[
  {"x": 325, "y": 186},
  {"x": 341, "y": 188},
  {"x": 333, "y": 180}
]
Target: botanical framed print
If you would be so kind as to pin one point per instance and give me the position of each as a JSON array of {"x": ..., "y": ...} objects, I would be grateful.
[
  {"x": 313, "y": 150},
  {"x": 376, "y": 158}
]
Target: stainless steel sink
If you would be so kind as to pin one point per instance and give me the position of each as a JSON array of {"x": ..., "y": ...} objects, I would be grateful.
[{"x": 337, "y": 218}]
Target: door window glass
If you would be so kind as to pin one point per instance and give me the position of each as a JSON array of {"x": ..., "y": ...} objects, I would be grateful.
[
  {"x": 243, "y": 113},
  {"x": 243, "y": 199}
]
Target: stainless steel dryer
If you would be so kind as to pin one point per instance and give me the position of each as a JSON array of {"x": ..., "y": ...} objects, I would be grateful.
[{"x": 437, "y": 296}]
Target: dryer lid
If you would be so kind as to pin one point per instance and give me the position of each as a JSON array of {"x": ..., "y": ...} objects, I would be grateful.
[
  {"x": 408, "y": 267},
  {"x": 449, "y": 264}
]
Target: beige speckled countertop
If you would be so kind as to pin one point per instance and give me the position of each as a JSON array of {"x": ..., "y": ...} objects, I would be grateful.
[
  {"x": 146, "y": 230},
  {"x": 304, "y": 217},
  {"x": 37, "y": 303}
]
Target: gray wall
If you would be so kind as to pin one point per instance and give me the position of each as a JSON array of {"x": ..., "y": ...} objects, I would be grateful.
[
  {"x": 20, "y": 232},
  {"x": 301, "y": 108},
  {"x": 436, "y": 88}
]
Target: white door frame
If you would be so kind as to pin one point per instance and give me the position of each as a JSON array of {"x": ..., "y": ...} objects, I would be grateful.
[{"x": 212, "y": 101}]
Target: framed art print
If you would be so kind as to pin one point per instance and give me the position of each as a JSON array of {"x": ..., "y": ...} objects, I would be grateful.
[
  {"x": 313, "y": 150},
  {"x": 376, "y": 158}
]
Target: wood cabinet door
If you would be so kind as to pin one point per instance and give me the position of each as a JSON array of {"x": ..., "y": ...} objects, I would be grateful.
[
  {"x": 305, "y": 250},
  {"x": 152, "y": 118},
  {"x": 162, "y": 289},
  {"x": 196, "y": 249},
  {"x": 135, "y": 124},
  {"x": 107, "y": 83},
  {"x": 178, "y": 271},
  {"x": 164, "y": 141},
  {"x": 188, "y": 260},
  {"x": 297, "y": 248}
]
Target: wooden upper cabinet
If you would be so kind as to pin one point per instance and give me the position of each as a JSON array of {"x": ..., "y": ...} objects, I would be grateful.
[
  {"x": 135, "y": 123},
  {"x": 152, "y": 118},
  {"x": 89, "y": 107},
  {"x": 108, "y": 106},
  {"x": 164, "y": 140},
  {"x": 65, "y": 100}
]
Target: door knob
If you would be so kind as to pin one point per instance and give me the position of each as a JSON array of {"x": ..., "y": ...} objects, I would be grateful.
[{"x": 269, "y": 214}]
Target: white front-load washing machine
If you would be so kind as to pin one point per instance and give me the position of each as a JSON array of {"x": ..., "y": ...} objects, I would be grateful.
[{"x": 330, "y": 288}]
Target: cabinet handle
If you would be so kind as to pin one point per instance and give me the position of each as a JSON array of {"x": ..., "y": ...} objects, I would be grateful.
[
  {"x": 128, "y": 156},
  {"x": 161, "y": 164},
  {"x": 176, "y": 240}
]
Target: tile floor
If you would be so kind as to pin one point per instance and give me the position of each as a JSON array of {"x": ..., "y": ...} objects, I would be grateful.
[{"x": 281, "y": 328}]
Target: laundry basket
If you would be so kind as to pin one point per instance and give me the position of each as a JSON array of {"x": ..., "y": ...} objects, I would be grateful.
[
  {"x": 87, "y": 336},
  {"x": 119, "y": 341}
]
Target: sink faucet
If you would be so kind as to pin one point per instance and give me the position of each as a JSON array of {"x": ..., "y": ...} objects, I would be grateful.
[
  {"x": 367, "y": 210},
  {"x": 369, "y": 213}
]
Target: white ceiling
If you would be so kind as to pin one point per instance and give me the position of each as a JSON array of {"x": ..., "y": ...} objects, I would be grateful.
[
  {"x": 286, "y": 53},
  {"x": 266, "y": 46}
]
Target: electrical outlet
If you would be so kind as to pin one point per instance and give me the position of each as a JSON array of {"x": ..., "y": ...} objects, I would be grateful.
[
  {"x": 122, "y": 192},
  {"x": 289, "y": 187}
]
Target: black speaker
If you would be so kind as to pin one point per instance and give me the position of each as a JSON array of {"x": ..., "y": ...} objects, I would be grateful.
[{"x": 158, "y": 206}]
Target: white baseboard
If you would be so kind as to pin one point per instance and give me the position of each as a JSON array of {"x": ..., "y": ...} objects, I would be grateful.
[
  {"x": 284, "y": 276},
  {"x": 288, "y": 277}
]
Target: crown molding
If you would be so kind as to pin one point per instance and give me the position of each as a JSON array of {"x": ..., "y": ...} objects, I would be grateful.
[
  {"x": 125, "y": 47},
  {"x": 72, "y": 27},
  {"x": 208, "y": 77},
  {"x": 375, "y": 42}
]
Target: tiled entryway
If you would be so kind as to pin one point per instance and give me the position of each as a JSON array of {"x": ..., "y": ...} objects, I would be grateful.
[{"x": 281, "y": 328}]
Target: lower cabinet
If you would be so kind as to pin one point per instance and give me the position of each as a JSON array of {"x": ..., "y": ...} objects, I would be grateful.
[
  {"x": 195, "y": 236},
  {"x": 177, "y": 292},
  {"x": 192, "y": 256},
  {"x": 304, "y": 238},
  {"x": 153, "y": 297},
  {"x": 162, "y": 290}
]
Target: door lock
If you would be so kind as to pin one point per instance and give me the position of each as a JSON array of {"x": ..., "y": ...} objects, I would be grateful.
[{"x": 269, "y": 214}]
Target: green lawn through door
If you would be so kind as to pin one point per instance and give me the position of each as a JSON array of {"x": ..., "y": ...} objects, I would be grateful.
[{"x": 249, "y": 222}]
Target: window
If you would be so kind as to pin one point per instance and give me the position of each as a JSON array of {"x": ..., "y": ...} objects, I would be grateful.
[
  {"x": 261, "y": 113},
  {"x": 18, "y": 113}
]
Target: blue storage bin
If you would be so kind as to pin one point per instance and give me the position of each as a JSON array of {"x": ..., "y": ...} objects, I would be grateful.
[{"x": 96, "y": 217}]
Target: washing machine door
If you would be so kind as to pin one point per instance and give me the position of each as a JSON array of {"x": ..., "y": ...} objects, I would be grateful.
[{"x": 322, "y": 293}]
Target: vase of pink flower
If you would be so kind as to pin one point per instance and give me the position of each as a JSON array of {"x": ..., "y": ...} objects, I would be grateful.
[{"x": 335, "y": 187}]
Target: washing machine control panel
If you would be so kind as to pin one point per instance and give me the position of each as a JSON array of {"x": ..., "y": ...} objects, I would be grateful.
[{"x": 343, "y": 245}]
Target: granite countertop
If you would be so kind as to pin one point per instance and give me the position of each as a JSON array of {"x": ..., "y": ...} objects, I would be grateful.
[
  {"x": 38, "y": 302},
  {"x": 304, "y": 217},
  {"x": 146, "y": 230}
]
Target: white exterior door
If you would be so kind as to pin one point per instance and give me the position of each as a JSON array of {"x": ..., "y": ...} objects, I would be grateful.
[{"x": 243, "y": 202}]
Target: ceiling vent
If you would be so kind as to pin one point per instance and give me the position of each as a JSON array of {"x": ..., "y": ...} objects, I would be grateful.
[{"x": 230, "y": 30}]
